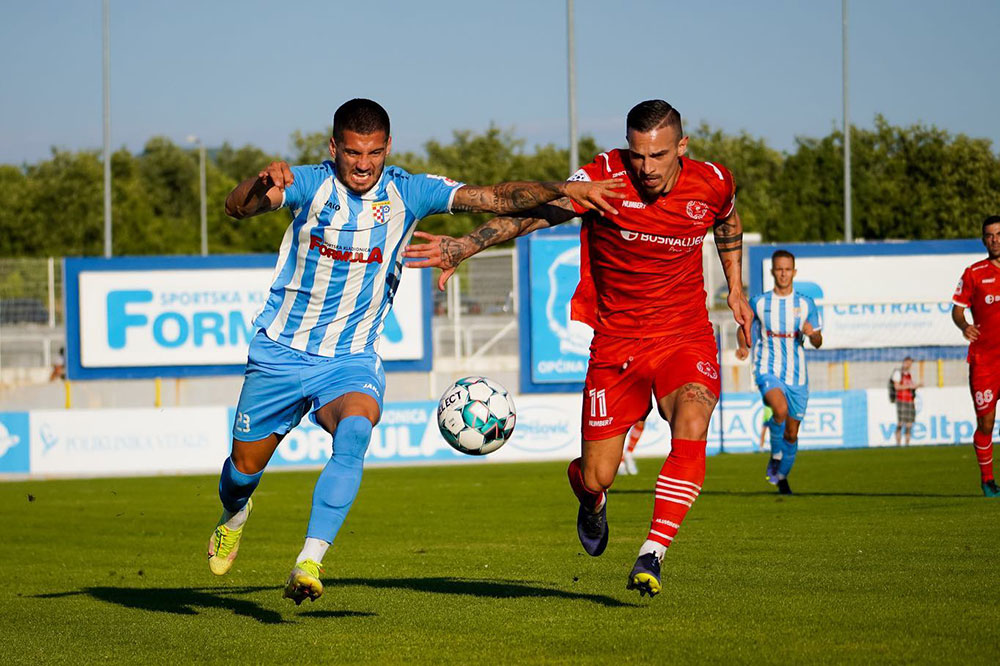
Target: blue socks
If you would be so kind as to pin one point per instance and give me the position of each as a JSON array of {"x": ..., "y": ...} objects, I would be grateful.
[
  {"x": 777, "y": 432},
  {"x": 788, "y": 459},
  {"x": 781, "y": 448},
  {"x": 340, "y": 480},
  {"x": 235, "y": 487}
]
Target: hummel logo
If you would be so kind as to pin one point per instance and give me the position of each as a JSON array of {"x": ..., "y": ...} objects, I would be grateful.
[
  {"x": 633, "y": 204},
  {"x": 989, "y": 280}
]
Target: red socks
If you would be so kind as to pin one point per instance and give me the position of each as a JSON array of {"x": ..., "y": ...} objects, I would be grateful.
[
  {"x": 588, "y": 498},
  {"x": 677, "y": 488},
  {"x": 984, "y": 454},
  {"x": 634, "y": 434}
]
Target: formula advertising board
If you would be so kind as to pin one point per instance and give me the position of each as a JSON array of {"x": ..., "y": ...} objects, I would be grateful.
[{"x": 179, "y": 316}]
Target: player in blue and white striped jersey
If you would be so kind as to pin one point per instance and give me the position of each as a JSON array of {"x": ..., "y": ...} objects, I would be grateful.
[
  {"x": 783, "y": 318},
  {"x": 315, "y": 350}
]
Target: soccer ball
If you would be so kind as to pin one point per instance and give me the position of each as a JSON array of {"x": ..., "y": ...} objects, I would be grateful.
[{"x": 476, "y": 415}]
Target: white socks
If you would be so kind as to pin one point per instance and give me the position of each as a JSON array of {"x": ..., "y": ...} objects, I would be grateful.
[
  {"x": 314, "y": 550},
  {"x": 654, "y": 547},
  {"x": 235, "y": 521}
]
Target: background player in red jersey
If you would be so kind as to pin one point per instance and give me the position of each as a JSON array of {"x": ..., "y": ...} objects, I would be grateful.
[
  {"x": 979, "y": 291},
  {"x": 642, "y": 291}
]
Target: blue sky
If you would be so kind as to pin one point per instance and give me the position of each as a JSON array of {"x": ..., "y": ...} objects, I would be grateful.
[{"x": 254, "y": 72}]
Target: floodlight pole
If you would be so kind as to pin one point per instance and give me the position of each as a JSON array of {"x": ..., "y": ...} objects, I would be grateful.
[
  {"x": 202, "y": 192},
  {"x": 574, "y": 149},
  {"x": 848, "y": 230},
  {"x": 107, "y": 132}
]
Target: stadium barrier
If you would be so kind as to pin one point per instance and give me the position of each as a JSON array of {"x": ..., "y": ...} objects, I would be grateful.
[{"x": 136, "y": 442}]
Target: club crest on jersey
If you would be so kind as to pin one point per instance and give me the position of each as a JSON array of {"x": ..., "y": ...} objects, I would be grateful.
[
  {"x": 381, "y": 210},
  {"x": 707, "y": 369},
  {"x": 697, "y": 210}
]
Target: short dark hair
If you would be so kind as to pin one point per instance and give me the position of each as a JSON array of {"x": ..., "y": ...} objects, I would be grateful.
[
  {"x": 783, "y": 253},
  {"x": 653, "y": 114},
  {"x": 992, "y": 219},
  {"x": 907, "y": 358},
  {"x": 360, "y": 115}
]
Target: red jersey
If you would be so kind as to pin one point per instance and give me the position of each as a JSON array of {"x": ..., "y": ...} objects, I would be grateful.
[
  {"x": 641, "y": 270},
  {"x": 979, "y": 290}
]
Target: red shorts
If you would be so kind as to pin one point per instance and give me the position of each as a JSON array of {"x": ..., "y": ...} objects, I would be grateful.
[
  {"x": 984, "y": 384},
  {"x": 625, "y": 372}
]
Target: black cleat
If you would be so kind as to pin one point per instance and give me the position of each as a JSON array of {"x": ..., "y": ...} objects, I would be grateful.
[
  {"x": 645, "y": 575},
  {"x": 784, "y": 488},
  {"x": 990, "y": 489},
  {"x": 592, "y": 528}
]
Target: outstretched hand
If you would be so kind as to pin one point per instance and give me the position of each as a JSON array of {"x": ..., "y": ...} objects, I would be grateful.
[
  {"x": 442, "y": 252},
  {"x": 592, "y": 195},
  {"x": 277, "y": 174}
]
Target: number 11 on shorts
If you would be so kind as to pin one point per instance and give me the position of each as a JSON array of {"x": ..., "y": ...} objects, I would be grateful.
[{"x": 598, "y": 403}]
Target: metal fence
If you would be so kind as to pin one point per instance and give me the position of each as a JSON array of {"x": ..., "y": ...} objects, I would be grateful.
[{"x": 31, "y": 318}]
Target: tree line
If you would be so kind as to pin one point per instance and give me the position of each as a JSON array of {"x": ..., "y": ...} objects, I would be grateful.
[{"x": 916, "y": 182}]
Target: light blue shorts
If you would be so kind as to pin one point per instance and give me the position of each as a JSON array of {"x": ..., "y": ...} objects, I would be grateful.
[
  {"x": 796, "y": 396},
  {"x": 281, "y": 385}
]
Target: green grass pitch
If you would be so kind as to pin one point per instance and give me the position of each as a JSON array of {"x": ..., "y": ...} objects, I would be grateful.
[{"x": 887, "y": 555}]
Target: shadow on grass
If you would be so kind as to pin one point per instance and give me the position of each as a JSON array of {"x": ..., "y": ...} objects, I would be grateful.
[
  {"x": 758, "y": 493},
  {"x": 492, "y": 589},
  {"x": 341, "y": 613},
  {"x": 181, "y": 600}
]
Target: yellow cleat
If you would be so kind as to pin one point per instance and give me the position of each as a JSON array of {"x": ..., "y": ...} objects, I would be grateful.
[
  {"x": 645, "y": 575},
  {"x": 304, "y": 583},
  {"x": 224, "y": 545}
]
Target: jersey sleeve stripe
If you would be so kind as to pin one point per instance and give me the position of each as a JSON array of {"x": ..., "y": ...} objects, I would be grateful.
[{"x": 716, "y": 170}]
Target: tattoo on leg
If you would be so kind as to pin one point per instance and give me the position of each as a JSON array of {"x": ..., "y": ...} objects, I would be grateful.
[{"x": 699, "y": 394}]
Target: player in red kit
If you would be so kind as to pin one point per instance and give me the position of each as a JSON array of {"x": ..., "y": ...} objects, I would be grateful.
[
  {"x": 979, "y": 292},
  {"x": 642, "y": 291}
]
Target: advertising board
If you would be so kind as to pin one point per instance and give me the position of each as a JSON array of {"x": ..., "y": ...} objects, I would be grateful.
[{"x": 181, "y": 316}]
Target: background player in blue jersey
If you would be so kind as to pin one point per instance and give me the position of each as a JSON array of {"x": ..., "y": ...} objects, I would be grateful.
[
  {"x": 315, "y": 350},
  {"x": 783, "y": 318}
]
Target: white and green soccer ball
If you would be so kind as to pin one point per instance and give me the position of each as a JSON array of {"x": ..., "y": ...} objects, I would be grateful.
[{"x": 476, "y": 415}]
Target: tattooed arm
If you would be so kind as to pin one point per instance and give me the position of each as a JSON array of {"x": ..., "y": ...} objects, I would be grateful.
[
  {"x": 729, "y": 242},
  {"x": 261, "y": 194},
  {"x": 447, "y": 253},
  {"x": 515, "y": 197}
]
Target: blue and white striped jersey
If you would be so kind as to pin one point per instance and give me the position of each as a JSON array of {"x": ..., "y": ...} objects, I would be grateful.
[
  {"x": 777, "y": 335},
  {"x": 339, "y": 262}
]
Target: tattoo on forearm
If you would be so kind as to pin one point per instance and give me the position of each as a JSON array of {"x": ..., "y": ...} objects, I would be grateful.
[
  {"x": 482, "y": 236},
  {"x": 505, "y": 197},
  {"x": 719, "y": 238},
  {"x": 728, "y": 238}
]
